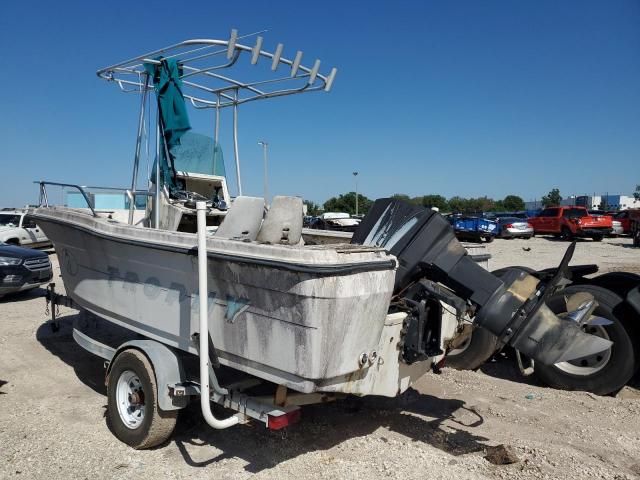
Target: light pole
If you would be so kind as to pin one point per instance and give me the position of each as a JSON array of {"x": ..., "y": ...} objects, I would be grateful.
[
  {"x": 265, "y": 155},
  {"x": 355, "y": 175}
]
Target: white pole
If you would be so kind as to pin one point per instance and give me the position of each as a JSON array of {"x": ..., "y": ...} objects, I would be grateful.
[
  {"x": 156, "y": 210},
  {"x": 203, "y": 292},
  {"x": 355, "y": 174},
  {"x": 265, "y": 157},
  {"x": 236, "y": 154}
]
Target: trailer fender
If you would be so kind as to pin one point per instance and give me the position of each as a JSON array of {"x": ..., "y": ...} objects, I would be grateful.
[{"x": 167, "y": 367}]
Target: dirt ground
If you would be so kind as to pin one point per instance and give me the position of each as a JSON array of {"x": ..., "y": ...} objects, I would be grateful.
[{"x": 52, "y": 403}]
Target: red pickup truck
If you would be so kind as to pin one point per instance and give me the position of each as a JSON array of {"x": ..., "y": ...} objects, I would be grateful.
[
  {"x": 626, "y": 216},
  {"x": 571, "y": 222}
]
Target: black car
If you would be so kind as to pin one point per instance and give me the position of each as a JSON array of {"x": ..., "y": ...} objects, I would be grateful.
[{"x": 22, "y": 268}]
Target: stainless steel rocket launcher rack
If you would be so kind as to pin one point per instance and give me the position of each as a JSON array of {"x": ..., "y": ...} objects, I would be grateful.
[{"x": 205, "y": 87}]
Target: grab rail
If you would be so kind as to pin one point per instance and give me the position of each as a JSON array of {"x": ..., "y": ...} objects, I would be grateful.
[
  {"x": 43, "y": 193},
  {"x": 44, "y": 201}
]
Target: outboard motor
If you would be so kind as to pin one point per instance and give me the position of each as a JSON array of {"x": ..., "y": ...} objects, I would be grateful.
[{"x": 511, "y": 307}]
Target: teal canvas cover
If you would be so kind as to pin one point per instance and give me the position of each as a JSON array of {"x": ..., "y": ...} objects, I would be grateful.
[
  {"x": 188, "y": 151},
  {"x": 173, "y": 111}
]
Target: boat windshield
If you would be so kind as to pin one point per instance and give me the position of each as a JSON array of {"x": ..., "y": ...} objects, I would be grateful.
[{"x": 9, "y": 220}]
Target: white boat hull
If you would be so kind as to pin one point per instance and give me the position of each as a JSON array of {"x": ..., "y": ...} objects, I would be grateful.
[{"x": 301, "y": 317}]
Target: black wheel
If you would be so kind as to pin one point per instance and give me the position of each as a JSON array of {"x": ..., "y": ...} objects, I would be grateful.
[
  {"x": 605, "y": 372},
  {"x": 489, "y": 238},
  {"x": 566, "y": 234},
  {"x": 597, "y": 238},
  {"x": 132, "y": 403},
  {"x": 620, "y": 283},
  {"x": 474, "y": 352}
]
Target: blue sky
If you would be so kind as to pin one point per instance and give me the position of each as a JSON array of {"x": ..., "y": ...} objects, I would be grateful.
[{"x": 458, "y": 98}]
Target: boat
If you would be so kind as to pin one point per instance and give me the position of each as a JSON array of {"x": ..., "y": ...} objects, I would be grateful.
[{"x": 231, "y": 281}]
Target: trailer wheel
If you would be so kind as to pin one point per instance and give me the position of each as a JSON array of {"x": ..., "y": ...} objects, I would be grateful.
[
  {"x": 603, "y": 373},
  {"x": 489, "y": 238},
  {"x": 132, "y": 403}
]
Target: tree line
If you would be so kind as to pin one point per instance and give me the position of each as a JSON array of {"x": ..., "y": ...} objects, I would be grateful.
[{"x": 347, "y": 203}]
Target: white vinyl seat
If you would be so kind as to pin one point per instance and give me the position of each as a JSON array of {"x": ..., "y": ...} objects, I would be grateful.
[
  {"x": 243, "y": 220},
  {"x": 283, "y": 222}
]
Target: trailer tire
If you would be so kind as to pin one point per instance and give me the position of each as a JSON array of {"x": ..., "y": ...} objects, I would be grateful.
[
  {"x": 616, "y": 367},
  {"x": 146, "y": 426},
  {"x": 489, "y": 238},
  {"x": 474, "y": 352}
]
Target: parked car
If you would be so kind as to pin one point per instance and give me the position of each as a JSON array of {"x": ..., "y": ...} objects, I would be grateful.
[
  {"x": 571, "y": 222},
  {"x": 625, "y": 217},
  {"x": 616, "y": 228},
  {"x": 17, "y": 228},
  {"x": 22, "y": 268},
  {"x": 473, "y": 229},
  {"x": 496, "y": 215},
  {"x": 336, "y": 221},
  {"x": 513, "y": 227}
]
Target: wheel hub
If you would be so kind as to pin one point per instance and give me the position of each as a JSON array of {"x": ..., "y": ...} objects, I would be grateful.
[{"x": 130, "y": 399}]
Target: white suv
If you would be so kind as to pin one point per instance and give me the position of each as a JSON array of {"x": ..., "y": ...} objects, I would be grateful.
[{"x": 18, "y": 229}]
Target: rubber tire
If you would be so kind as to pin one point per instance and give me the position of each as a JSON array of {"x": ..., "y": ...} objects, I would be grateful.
[
  {"x": 158, "y": 425},
  {"x": 597, "y": 238},
  {"x": 621, "y": 366},
  {"x": 13, "y": 241},
  {"x": 620, "y": 283},
  {"x": 482, "y": 345},
  {"x": 489, "y": 239},
  {"x": 565, "y": 234}
]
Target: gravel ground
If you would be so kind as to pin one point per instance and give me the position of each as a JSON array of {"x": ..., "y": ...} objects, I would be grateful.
[{"x": 52, "y": 402}]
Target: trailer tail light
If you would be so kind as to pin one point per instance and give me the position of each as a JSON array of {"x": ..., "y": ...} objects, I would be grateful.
[
  {"x": 276, "y": 422},
  {"x": 509, "y": 225}
]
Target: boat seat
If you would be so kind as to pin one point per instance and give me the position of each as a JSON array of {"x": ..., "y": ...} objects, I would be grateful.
[
  {"x": 243, "y": 220},
  {"x": 283, "y": 223}
]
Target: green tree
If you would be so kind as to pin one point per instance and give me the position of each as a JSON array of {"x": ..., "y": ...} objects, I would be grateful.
[
  {"x": 513, "y": 203},
  {"x": 458, "y": 204},
  {"x": 401, "y": 196},
  {"x": 437, "y": 201},
  {"x": 552, "y": 199},
  {"x": 347, "y": 203},
  {"x": 312, "y": 207}
]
